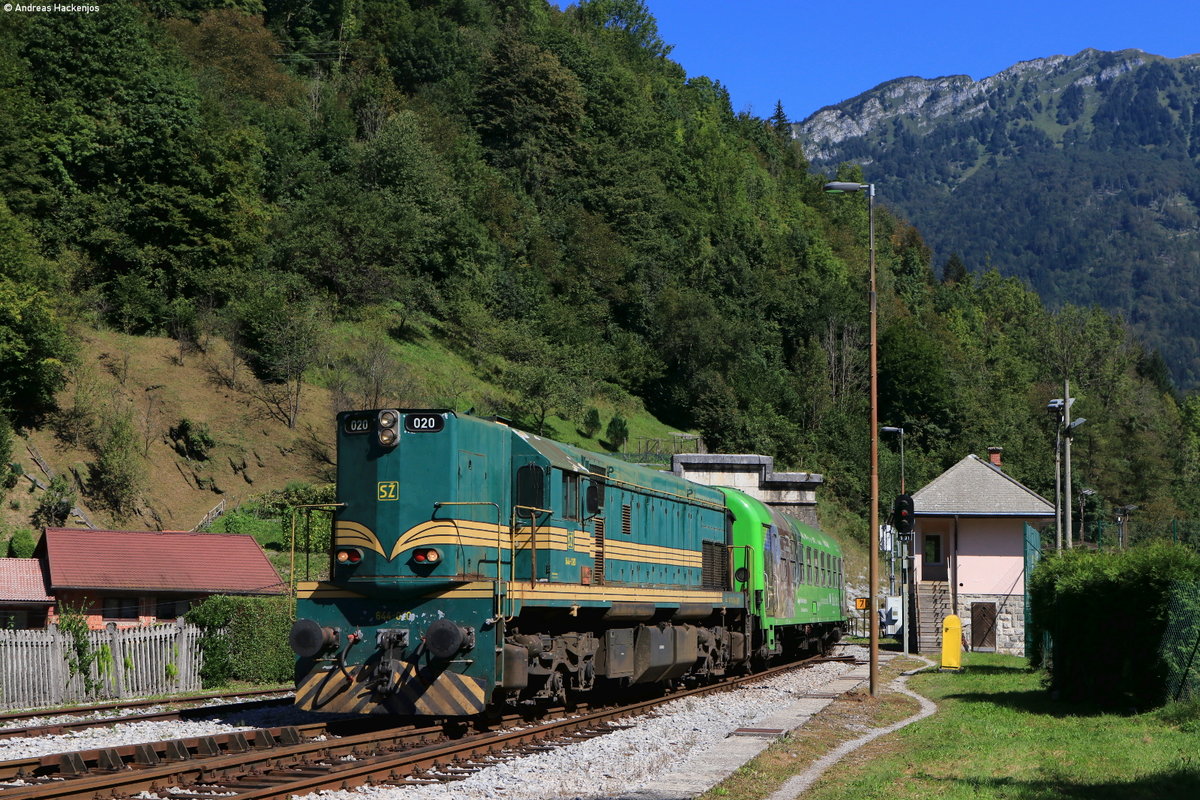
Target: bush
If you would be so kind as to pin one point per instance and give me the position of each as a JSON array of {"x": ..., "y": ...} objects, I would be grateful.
[
  {"x": 21, "y": 544},
  {"x": 1106, "y": 613},
  {"x": 617, "y": 432},
  {"x": 245, "y": 639},
  {"x": 592, "y": 423},
  {"x": 192, "y": 439}
]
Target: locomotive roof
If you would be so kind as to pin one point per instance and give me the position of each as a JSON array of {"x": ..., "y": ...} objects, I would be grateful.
[{"x": 574, "y": 459}]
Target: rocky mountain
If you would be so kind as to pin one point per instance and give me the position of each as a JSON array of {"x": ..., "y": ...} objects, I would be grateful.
[{"x": 1079, "y": 174}]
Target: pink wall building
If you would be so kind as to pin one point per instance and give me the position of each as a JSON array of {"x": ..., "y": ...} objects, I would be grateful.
[{"x": 970, "y": 556}]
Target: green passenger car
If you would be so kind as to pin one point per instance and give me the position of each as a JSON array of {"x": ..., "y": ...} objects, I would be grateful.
[{"x": 794, "y": 574}]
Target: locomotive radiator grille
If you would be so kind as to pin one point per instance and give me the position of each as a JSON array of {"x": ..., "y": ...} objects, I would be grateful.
[
  {"x": 713, "y": 572},
  {"x": 598, "y": 562}
]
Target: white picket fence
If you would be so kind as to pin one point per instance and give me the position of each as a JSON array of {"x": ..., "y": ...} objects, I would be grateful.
[{"x": 139, "y": 662}]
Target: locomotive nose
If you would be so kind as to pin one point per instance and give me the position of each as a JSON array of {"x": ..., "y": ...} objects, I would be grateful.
[{"x": 445, "y": 638}]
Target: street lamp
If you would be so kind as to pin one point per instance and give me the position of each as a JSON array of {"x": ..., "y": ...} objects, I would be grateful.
[
  {"x": 1122, "y": 515},
  {"x": 891, "y": 429},
  {"x": 848, "y": 187},
  {"x": 905, "y": 544}
]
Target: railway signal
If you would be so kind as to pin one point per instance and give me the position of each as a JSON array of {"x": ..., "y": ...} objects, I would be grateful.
[{"x": 902, "y": 514}]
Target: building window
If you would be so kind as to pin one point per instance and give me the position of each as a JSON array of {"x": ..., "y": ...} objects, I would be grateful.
[
  {"x": 933, "y": 549},
  {"x": 120, "y": 608},
  {"x": 166, "y": 608}
]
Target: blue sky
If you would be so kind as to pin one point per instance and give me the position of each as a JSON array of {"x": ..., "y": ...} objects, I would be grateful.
[{"x": 812, "y": 53}]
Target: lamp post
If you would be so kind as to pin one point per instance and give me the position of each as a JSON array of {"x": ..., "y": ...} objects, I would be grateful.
[
  {"x": 846, "y": 187},
  {"x": 1084, "y": 494},
  {"x": 1062, "y": 431},
  {"x": 1055, "y": 407},
  {"x": 892, "y": 429},
  {"x": 1069, "y": 430},
  {"x": 905, "y": 546},
  {"x": 1122, "y": 516}
]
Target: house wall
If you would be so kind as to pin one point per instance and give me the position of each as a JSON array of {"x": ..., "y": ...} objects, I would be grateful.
[
  {"x": 990, "y": 569},
  {"x": 990, "y": 556},
  {"x": 93, "y": 604}
]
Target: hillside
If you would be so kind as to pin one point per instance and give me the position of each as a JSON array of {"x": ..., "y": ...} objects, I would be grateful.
[
  {"x": 147, "y": 377},
  {"x": 1079, "y": 175}
]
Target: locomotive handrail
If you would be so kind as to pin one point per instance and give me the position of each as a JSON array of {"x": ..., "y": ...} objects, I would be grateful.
[
  {"x": 512, "y": 562},
  {"x": 499, "y": 533},
  {"x": 330, "y": 507}
]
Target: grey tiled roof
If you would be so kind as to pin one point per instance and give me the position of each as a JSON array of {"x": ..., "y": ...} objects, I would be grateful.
[{"x": 973, "y": 487}]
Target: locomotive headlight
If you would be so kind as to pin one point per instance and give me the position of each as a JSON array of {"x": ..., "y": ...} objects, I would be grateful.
[
  {"x": 427, "y": 556},
  {"x": 388, "y": 421},
  {"x": 349, "y": 555}
]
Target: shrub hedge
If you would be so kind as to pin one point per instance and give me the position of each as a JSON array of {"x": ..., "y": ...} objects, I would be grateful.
[
  {"x": 1106, "y": 613},
  {"x": 245, "y": 639}
]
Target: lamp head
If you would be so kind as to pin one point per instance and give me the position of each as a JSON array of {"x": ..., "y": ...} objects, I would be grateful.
[{"x": 842, "y": 187}]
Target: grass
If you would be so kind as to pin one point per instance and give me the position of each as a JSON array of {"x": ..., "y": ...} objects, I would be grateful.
[{"x": 997, "y": 734}]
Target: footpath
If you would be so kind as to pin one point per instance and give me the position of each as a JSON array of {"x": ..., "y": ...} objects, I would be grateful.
[{"x": 701, "y": 771}]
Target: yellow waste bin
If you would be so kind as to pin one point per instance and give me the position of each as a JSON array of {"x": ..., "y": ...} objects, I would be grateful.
[{"x": 951, "y": 643}]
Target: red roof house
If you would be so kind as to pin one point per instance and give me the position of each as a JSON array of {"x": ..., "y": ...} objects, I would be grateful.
[
  {"x": 141, "y": 577},
  {"x": 24, "y": 600}
]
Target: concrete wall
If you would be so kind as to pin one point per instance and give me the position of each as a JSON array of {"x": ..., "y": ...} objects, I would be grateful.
[{"x": 793, "y": 493}]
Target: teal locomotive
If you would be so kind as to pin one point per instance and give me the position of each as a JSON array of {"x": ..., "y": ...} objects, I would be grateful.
[{"x": 475, "y": 566}]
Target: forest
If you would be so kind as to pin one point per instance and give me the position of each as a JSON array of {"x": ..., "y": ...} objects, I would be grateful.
[{"x": 545, "y": 193}]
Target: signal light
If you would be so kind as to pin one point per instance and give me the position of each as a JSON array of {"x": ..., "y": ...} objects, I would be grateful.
[
  {"x": 903, "y": 514},
  {"x": 427, "y": 556},
  {"x": 349, "y": 556}
]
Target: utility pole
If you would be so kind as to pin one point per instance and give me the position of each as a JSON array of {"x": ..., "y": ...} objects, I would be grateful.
[{"x": 1067, "y": 459}]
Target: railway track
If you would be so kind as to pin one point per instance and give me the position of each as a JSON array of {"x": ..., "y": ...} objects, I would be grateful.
[
  {"x": 70, "y": 718},
  {"x": 297, "y": 760}
]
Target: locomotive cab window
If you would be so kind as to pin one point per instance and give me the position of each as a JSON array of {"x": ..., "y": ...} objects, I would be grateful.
[
  {"x": 531, "y": 487},
  {"x": 570, "y": 506}
]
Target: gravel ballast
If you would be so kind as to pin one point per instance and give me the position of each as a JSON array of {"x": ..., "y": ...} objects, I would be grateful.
[{"x": 607, "y": 766}]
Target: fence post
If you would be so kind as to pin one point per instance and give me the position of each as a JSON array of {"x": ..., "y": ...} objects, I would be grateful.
[{"x": 117, "y": 644}]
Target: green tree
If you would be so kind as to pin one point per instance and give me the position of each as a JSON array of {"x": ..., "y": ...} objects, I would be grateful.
[
  {"x": 118, "y": 475},
  {"x": 591, "y": 422},
  {"x": 34, "y": 350},
  {"x": 531, "y": 109},
  {"x": 617, "y": 432},
  {"x": 55, "y": 504}
]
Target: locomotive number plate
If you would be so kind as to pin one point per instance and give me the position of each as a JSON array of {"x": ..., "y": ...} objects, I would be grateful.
[
  {"x": 358, "y": 423},
  {"x": 424, "y": 423}
]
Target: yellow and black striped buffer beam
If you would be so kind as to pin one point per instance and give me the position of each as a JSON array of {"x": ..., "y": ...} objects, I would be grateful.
[
  {"x": 436, "y": 693},
  {"x": 328, "y": 691}
]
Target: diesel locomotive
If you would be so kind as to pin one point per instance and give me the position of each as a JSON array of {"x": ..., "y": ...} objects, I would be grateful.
[{"x": 475, "y": 566}]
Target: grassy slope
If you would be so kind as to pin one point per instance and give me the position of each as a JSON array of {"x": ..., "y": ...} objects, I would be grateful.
[{"x": 149, "y": 376}]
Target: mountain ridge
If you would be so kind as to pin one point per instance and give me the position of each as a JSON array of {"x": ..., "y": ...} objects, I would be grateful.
[{"x": 1081, "y": 173}]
